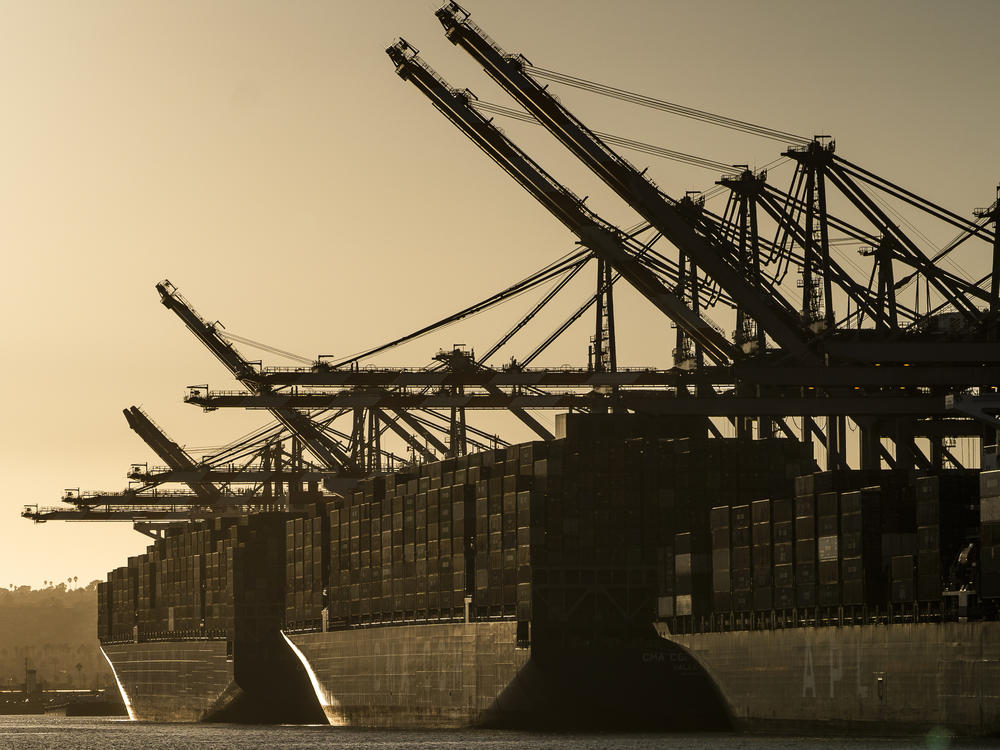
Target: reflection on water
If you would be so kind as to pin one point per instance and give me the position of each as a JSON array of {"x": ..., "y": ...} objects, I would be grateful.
[{"x": 52, "y": 732}]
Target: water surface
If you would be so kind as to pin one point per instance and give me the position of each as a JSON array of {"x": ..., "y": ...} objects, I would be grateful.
[{"x": 55, "y": 732}]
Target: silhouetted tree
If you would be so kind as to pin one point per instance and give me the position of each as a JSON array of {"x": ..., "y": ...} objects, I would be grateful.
[{"x": 54, "y": 628}]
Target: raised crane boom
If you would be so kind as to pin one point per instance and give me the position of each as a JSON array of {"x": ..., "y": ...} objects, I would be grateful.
[
  {"x": 327, "y": 452},
  {"x": 782, "y": 401},
  {"x": 604, "y": 239},
  {"x": 169, "y": 452},
  {"x": 628, "y": 182},
  {"x": 132, "y": 515}
]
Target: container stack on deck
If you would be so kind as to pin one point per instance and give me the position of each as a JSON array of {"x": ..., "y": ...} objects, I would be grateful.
[
  {"x": 947, "y": 517},
  {"x": 219, "y": 580},
  {"x": 121, "y": 601},
  {"x": 416, "y": 545},
  {"x": 849, "y": 539},
  {"x": 742, "y": 559},
  {"x": 191, "y": 582},
  {"x": 828, "y": 547},
  {"x": 806, "y": 574},
  {"x": 762, "y": 556},
  {"x": 783, "y": 514},
  {"x": 178, "y": 590},
  {"x": 104, "y": 609},
  {"x": 572, "y": 533},
  {"x": 585, "y": 532},
  {"x": 989, "y": 519},
  {"x": 722, "y": 560},
  {"x": 307, "y": 568},
  {"x": 394, "y": 549},
  {"x": 861, "y": 546}
]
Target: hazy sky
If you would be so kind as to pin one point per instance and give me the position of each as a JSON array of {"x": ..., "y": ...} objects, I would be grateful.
[{"x": 265, "y": 158}]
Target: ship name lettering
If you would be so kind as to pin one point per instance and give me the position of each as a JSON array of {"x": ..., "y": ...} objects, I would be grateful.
[
  {"x": 836, "y": 667},
  {"x": 808, "y": 673},
  {"x": 862, "y": 689}
]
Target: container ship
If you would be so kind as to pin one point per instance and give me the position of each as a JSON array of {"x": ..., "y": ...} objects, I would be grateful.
[
  {"x": 612, "y": 578},
  {"x": 673, "y": 556}
]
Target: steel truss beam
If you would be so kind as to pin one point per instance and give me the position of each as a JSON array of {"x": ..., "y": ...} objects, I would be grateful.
[{"x": 790, "y": 404}]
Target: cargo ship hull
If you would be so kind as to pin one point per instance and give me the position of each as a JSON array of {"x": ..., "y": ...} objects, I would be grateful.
[
  {"x": 445, "y": 675},
  {"x": 474, "y": 674},
  {"x": 177, "y": 681},
  {"x": 871, "y": 679},
  {"x": 198, "y": 680}
]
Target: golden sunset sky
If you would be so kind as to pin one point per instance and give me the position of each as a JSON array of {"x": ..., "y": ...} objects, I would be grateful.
[{"x": 265, "y": 158}]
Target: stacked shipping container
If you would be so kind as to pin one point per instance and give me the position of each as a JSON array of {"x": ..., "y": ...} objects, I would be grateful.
[
  {"x": 722, "y": 542},
  {"x": 191, "y": 582},
  {"x": 828, "y": 548},
  {"x": 989, "y": 520},
  {"x": 861, "y": 546},
  {"x": 840, "y": 545},
  {"x": 762, "y": 556},
  {"x": 742, "y": 559},
  {"x": 806, "y": 575},
  {"x": 575, "y": 531},
  {"x": 578, "y": 532},
  {"x": 783, "y": 512},
  {"x": 946, "y": 512}
]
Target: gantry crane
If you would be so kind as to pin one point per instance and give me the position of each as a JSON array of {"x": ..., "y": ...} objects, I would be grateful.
[
  {"x": 147, "y": 513},
  {"x": 769, "y": 310},
  {"x": 176, "y": 458},
  {"x": 631, "y": 184},
  {"x": 805, "y": 339},
  {"x": 455, "y": 105},
  {"x": 363, "y": 453},
  {"x": 818, "y": 366},
  {"x": 326, "y": 450},
  {"x": 603, "y": 238}
]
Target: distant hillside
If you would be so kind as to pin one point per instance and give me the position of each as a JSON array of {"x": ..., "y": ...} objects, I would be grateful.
[{"x": 55, "y": 628}]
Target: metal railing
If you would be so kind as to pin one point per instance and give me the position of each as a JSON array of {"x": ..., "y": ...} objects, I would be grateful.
[
  {"x": 377, "y": 369},
  {"x": 812, "y": 617}
]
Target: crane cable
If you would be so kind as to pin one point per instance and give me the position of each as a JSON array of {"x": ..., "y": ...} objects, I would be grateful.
[
  {"x": 629, "y": 143},
  {"x": 622, "y": 95},
  {"x": 574, "y": 257},
  {"x": 665, "y": 106},
  {"x": 227, "y": 334},
  {"x": 640, "y": 146}
]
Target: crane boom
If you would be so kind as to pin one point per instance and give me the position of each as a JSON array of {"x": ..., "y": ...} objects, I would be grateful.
[
  {"x": 326, "y": 450},
  {"x": 251, "y": 475},
  {"x": 169, "y": 452},
  {"x": 152, "y": 498},
  {"x": 134, "y": 513},
  {"x": 604, "y": 239},
  {"x": 184, "y": 513},
  {"x": 422, "y": 431},
  {"x": 533, "y": 424},
  {"x": 393, "y": 424},
  {"x": 633, "y": 186},
  {"x": 783, "y": 401}
]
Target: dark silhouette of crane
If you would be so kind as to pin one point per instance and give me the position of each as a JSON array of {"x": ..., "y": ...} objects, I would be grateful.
[{"x": 326, "y": 450}]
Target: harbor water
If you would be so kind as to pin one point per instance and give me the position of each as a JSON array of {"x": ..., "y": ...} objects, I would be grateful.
[{"x": 51, "y": 732}]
